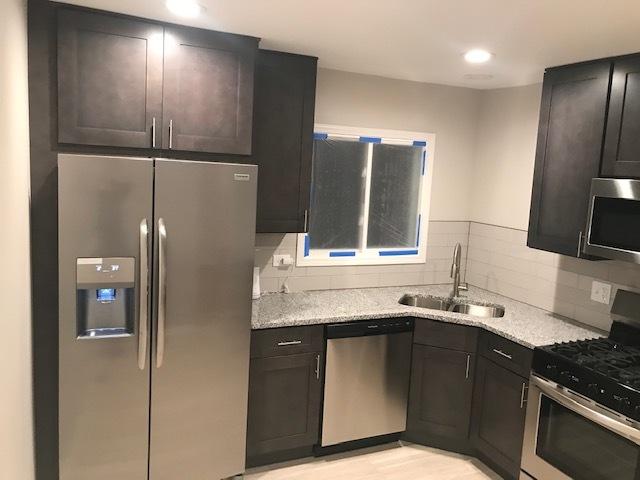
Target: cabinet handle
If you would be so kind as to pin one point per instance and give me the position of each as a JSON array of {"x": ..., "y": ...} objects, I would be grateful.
[
  {"x": 579, "y": 243},
  {"x": 318, "y": 366},
  {"x": 291, "y": 342},
  {"x": 170, "y": 134},
  {"x": 466, "y": 374},
  {"x": 153, "y": 132},
  {"x": 523, "y": 399},
  {"x": 505, "y": 355},
  {"x": 306, "y": 221}
]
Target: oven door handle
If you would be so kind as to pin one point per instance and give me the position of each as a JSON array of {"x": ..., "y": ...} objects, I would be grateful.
[{"x": 585, "y": 408}]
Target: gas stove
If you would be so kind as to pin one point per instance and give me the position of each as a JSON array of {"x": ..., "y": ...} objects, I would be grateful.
[{"x": 606, "y": 370}]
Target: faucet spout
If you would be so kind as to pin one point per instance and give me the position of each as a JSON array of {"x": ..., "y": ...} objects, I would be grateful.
[{"x": 455, "y": 272}]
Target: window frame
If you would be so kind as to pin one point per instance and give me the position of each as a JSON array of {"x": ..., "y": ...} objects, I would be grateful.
[{"x": 306, "y": 257}]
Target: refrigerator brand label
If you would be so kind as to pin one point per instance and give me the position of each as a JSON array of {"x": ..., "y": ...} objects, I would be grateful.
[{"x": 241, "y": 177}]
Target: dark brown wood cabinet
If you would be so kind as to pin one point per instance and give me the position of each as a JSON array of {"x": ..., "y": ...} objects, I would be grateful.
[
  {"x": 285, "y": 393},
  {"x": 621, "y": 156},
  {"x": 124, "y": 82},
  {"x": 440, "y": 397},
  {"x": 283, "y": 116},
  {"x": 498, "y": 416},
  {"x": 109, "y": 80},
  {"x": 208, "y": 91},
  {"x": 569, "y": 147}
]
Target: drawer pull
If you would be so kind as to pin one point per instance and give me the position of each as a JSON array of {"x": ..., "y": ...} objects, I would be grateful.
[
  {"x": 523, "y": 399},
  {"x": 291, "y": 342},
  {"x": 318, "y": 366},
  {"x": 466, "y": 375},
  {"x": 501, "y": 353}
]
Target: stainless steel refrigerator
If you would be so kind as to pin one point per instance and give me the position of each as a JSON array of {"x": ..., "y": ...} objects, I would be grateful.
[{"x": 156, "y": 260}]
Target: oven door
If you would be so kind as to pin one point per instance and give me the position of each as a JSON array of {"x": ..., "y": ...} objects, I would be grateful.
[
  {"x": 613, "y": 223},
  {"x": 570, "y": 437}
]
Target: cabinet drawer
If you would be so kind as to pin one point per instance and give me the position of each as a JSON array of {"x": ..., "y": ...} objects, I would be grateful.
[
  {"x": 445, "y": 335},
  {"x": 506, "y": 353},
  {"x": 275, "y": 342}
]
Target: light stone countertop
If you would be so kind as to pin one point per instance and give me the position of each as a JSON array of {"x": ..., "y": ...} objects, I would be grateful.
[{"x": 522, "y": 323}]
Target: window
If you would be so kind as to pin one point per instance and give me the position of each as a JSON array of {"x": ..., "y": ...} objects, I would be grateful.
[{"x": 369, "y": 197}]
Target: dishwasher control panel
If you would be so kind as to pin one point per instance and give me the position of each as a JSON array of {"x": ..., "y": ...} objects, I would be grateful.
[{"x": 370, "y": 327}]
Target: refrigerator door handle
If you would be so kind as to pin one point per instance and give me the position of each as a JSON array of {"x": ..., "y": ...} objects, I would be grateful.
[
  {"x": 162, "y": 290},
  {"x": 143, "y": 314}
]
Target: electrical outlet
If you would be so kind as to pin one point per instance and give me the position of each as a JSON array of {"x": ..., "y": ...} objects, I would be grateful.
[
  {"x": 600, "y": 292},
  {"x": 282, "y": 261}
]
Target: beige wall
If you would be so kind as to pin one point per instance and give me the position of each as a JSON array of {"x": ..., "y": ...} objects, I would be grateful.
[
  {"x": 16, "y": 438},
  {"x": 504, "y": 156},
  {"x": 352, "y": 99}
]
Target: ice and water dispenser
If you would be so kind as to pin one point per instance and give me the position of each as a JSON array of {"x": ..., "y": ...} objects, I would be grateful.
[{"x": 105, "y": 296}]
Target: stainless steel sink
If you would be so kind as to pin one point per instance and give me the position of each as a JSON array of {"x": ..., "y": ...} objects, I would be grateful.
[{"x": 450, "y": 305}]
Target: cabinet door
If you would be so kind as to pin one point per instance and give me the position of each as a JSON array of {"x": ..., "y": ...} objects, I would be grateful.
[
  {"x": 622, "y": 143},
  {"x": 498, "y": 415},
  {"x": 283, "y": 139},
  {"x": 570, "y": 136},
  {"x": 440, "y": 397},
  {"x": 208, "y": 91},
  {"x": 284, "y": 403},
  {"x": 109, "y": 80}
]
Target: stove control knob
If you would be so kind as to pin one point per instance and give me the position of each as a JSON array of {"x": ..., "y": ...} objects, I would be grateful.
[
  {"x": 565, "y": 375},
  {"x": 623, "y": 403},
  {"x": 636, "y": 410},
  {"x": 552, "y": 369},
  {"x": 594, "y": 389}
]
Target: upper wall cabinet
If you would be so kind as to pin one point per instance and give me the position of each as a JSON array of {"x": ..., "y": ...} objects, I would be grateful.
[
  {"x": 109, "y": 80},
  {"x": 621, "y": 156},
  {"x": 283, "y": 139},
  {"x": 129, "y": 83},
  {"x": 208, "y": 91},
  {"x": 570, "y": 137}
]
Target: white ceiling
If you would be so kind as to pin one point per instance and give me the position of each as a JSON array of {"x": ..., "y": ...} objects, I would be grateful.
[{"x": 423, "y": 40}]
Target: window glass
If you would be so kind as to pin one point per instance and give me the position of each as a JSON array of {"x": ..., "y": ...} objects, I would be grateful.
[
  {"x": 394, "y": 200},
  {"x": 337, "y": 197}
]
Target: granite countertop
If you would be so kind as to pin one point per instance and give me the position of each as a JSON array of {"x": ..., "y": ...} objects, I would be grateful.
[{"x": 522, "y": 323}]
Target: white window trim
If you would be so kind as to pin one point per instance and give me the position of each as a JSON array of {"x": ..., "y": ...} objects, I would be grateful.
[{"x": 318, "y": 258}]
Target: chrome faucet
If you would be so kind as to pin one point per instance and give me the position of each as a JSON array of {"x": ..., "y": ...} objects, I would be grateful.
[{"x": 455, "y": 272}]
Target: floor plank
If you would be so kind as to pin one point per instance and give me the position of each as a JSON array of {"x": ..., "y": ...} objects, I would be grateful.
[{"x": 396, "y": 461}]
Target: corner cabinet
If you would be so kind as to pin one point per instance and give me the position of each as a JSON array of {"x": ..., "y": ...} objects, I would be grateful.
[
  {"x": 130, "y": 83},
  {"x": 569, "y": 147},
  {"x": 283, "y": 116},
  {"x": 621, "y": 157},
  {"x": 285, "y": 392}
]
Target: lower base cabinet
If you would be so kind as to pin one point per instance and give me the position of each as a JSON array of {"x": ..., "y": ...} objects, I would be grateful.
[
  {"x": 498, "y": 417},
  {"x": 440, "y": 397},
  {"x": 284, "y": 407}
]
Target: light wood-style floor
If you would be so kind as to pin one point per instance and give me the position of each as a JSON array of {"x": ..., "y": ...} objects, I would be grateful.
[{"x": 398, "y": 461}]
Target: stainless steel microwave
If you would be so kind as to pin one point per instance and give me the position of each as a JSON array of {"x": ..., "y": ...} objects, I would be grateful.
[{"x": 613, "y": 223}]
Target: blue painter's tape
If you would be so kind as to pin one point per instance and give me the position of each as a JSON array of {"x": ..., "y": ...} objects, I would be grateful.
[
  {"x": 370, "y": 139},
  {"x": 320, "y": 136},
  {"x": 419, "y": 143},
  {"x": 418, "y": 231},
  {"x": 306, "y": 245},
  {"x": 393, "y": 253},
  {"x": 424, "y": 162},
  {"x": 342, "y": 254}
]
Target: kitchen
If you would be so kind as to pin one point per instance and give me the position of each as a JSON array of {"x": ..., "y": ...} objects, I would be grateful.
[{"x": 421, "y": 230}]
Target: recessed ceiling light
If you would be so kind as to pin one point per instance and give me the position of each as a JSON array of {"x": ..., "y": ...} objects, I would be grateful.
[
  {"x": 184, "y": 8},
  {"x": 477, "y": 56}
]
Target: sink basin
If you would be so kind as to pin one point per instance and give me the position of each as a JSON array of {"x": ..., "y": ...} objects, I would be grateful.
[{"x": 449, "y": 305}]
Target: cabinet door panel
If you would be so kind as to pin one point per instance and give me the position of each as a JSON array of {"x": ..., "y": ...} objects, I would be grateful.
[
  {"x": 440, "y": 396},
  {"x": 570, "y": 137},
  {"x": 109, "y": 80},
  {"x": 283, "y": 139},
  {"x": 622, "y": 144},
  {"x": 498, "y": 415},
  {"x": 208, "y": 91},
  {"x": 284, "y": 403}
]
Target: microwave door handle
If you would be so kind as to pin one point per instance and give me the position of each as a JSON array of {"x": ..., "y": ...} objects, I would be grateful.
[
  {"x": 605, "y": 421},
  {"x": 143, "y": 299},
  {"x": 162, "y": 291}
]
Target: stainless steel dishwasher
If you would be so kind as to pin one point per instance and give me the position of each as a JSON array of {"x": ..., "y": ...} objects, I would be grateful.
[{"x": 366, "y": 379}]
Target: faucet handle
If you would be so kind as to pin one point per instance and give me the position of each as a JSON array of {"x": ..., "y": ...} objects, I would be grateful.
[{"x": 463, "y": 287}]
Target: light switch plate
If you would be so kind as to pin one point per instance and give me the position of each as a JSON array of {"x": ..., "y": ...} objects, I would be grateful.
[
  {"x": 600, "y": 292},
  {"x": 282, "y": 260}
]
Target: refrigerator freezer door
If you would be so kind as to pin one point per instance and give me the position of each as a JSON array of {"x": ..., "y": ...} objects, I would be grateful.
[
  {"x": 200, "y": 383},
  {"x": 103, "y": 392}
]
